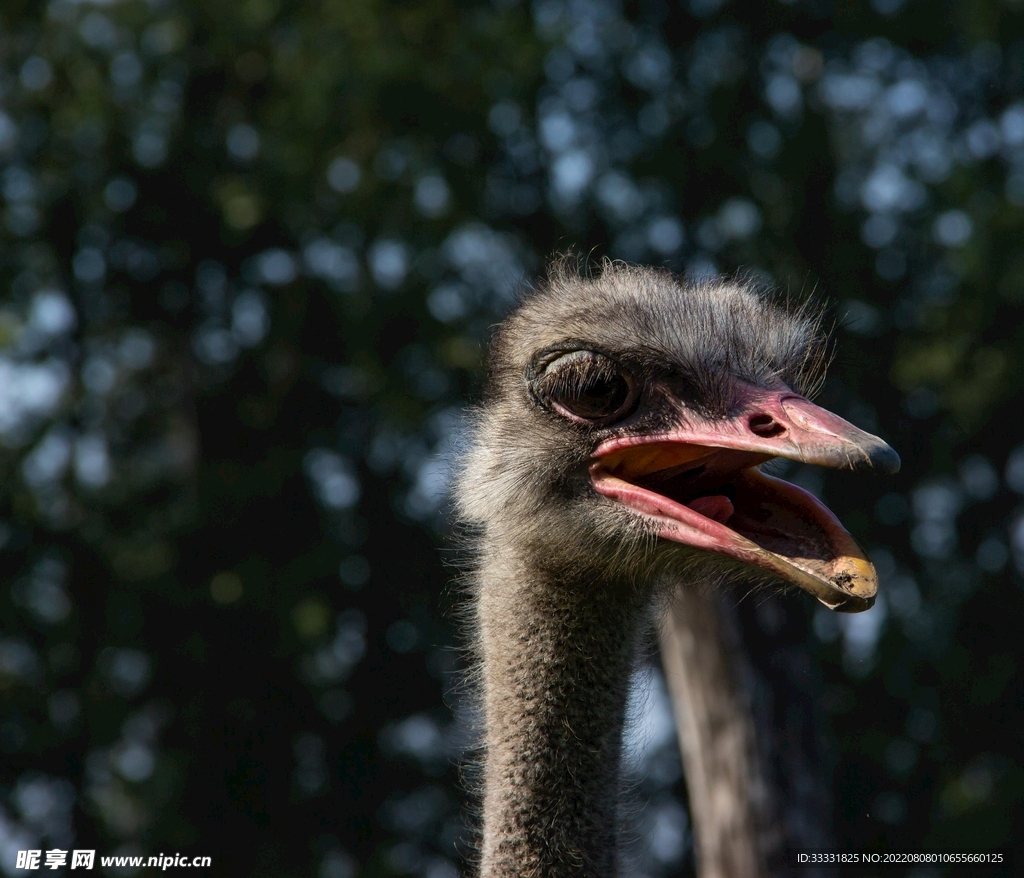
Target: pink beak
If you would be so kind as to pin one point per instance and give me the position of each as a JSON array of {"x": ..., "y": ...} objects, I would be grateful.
[
  {"x": 780, "y": 423},
  {"x": 699, "y": 484}
]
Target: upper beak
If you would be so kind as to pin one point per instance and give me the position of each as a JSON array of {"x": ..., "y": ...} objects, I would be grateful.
[
  {"x": 780, "y": 423},
  {"x": 788, "y": 425}
]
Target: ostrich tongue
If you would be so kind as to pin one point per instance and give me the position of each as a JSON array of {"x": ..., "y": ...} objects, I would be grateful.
[{"x": 702, "y": 487}]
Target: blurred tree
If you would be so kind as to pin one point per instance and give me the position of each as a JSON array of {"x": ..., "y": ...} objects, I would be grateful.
[{"x": 250, "y": 252}]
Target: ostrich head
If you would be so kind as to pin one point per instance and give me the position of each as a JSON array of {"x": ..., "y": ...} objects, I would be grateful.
[{"x": 627, "y": 417}]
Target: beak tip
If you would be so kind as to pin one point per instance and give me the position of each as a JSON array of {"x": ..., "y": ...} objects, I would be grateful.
[
  {"x": 879, "y": 457},
  {"x": 851, "y": 605},
  {"x": 885, "y": 459}
]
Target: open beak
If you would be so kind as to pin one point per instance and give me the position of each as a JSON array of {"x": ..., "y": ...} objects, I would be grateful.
[{"x": 701, "y": 484}]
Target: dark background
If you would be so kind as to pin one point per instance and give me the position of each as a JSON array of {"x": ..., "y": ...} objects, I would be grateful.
[{"x": 250, "y": 253}]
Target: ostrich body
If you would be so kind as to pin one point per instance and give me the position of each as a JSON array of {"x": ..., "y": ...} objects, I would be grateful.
[{"x": 614, "y": 459}]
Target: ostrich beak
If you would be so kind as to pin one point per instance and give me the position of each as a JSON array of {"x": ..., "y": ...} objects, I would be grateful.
[{"x": 701, "y": 485}]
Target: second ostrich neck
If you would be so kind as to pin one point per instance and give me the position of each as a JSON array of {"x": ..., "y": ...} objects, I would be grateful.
[{"x": 557, "y": 658}]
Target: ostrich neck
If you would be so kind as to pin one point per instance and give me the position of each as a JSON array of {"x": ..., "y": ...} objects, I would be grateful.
[
  {"x": 730, "y": 801},
  {"x": 557, "y": 657},
  {"x": 743, "y": 687}
]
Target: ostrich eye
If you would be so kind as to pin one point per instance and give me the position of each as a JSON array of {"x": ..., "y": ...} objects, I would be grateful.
[{"x": 587, "y": 386}]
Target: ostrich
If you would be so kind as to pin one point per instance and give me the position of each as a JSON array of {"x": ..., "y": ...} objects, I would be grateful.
[{"x": 613, "y": 473}]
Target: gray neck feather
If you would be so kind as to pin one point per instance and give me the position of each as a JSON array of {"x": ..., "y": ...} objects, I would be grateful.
[{"x": 557, "y": 657}]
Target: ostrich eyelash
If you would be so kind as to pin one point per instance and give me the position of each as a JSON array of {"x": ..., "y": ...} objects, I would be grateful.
[{"x": 566, "y": 381}]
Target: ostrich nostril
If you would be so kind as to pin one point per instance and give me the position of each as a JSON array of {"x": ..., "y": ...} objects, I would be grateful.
[{"x": 766, "y": 426}]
